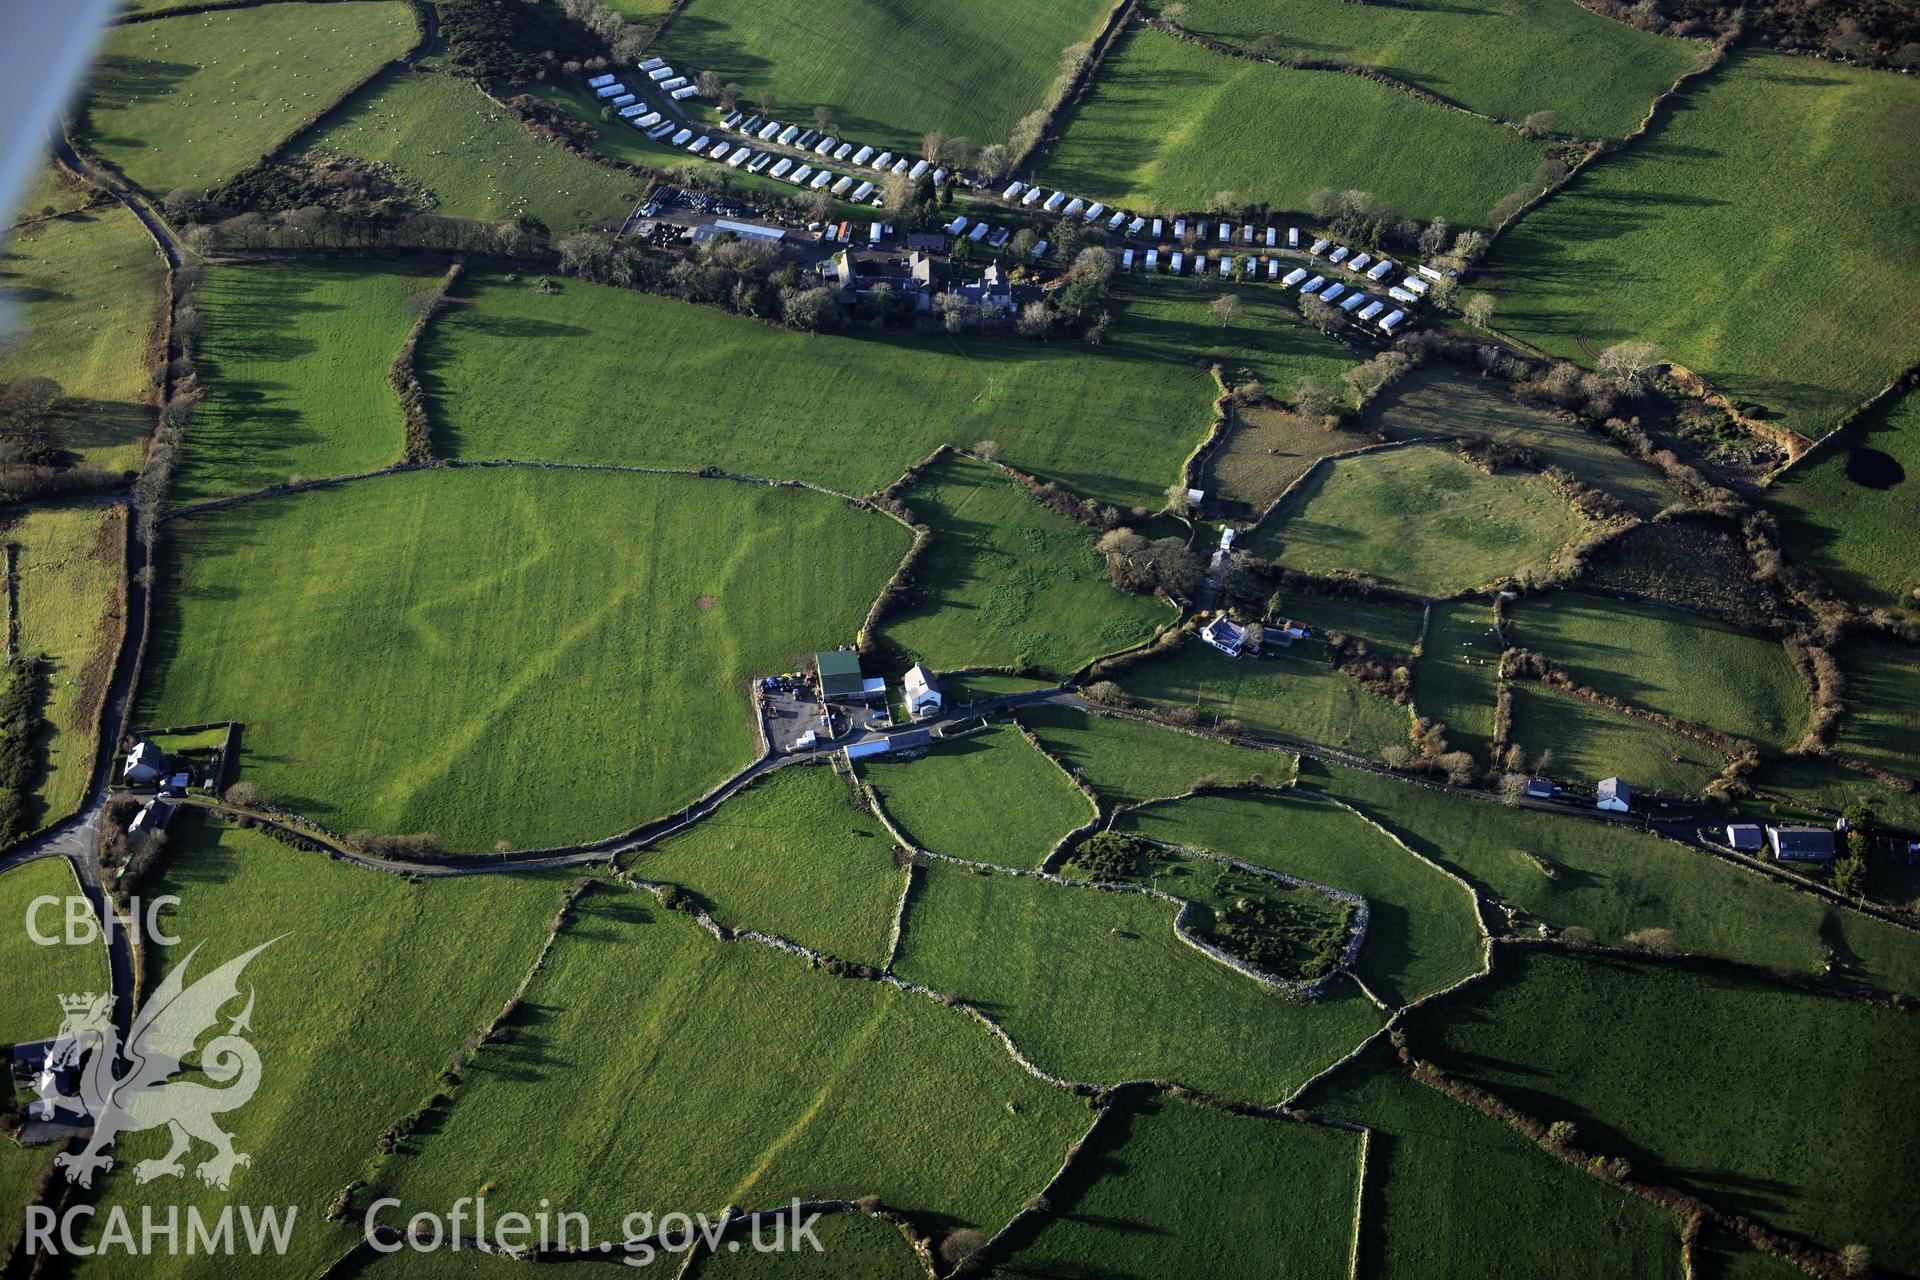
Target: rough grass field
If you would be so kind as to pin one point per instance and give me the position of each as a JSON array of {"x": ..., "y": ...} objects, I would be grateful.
[
  {"x": 373, "y": 982},
  {"x": 70, "y": 570},
  {"x": 1008, "y": 579},
  {"x": 1458, "y": 673},
  {"x": 1695, "y": 562},
  {"x": 1130, "y": 762},
  {"x": 1421, "y": 519},
  {"x": 1849, "y": 512},
  {"x": 1446, "y": 402},
  {"x": 850, "y": 412},
  {"x": 1170, "y": 125},
  {"x": 804, "y": 1084},
  {"x": 1266, "y": 450},
  {"x": 1264, "y": 339},
  {"x": 1754, "y": 234},
  {"x": 80, "y": 299},
  {"x": 447, "y": 139},
  {"x": 1171, "y": 1188},
  {"x": 1094, "y": 986},
  {"x": 1589, "y": 743},
  {"x": 1692, "y": 668},
  {"x": 1882, "y": 724},
  {"x": 1616, "y": 881},
  {"x": 532, "y": 656},
  {"x": 1683, "y": 1072},
  {"x": 1421, "y": 932},
  {"x": 295, "y": 358},
  {"x": 1452, "y": 1192},
  {"x": 190, "y": 101},
  {"x": 1507, "y": 58},
  {"x": 989, "y": 797},
  {"x": 1291, "y": 697},
  {"x": 890, "y": 71},
  {"x": 794, "y": 856}
]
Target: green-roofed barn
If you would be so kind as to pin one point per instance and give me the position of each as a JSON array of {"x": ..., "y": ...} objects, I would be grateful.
[{"x": 841, "y": 679}]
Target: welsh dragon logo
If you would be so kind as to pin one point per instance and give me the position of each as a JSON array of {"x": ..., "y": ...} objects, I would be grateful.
[{"x": 127, "y": 1088}]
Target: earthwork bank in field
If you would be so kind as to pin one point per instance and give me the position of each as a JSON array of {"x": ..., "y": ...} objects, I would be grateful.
[
  {"x": 1420, "y": 519},
  {"x": 535, "y": 657}
]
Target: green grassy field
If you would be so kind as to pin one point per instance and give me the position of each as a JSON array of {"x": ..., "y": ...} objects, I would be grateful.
[
  {"x": 1458, "y": 673},
  {"x": 1421, "y": 934},
  {"x": 446, "y": 138},
  {"x": 1821, "y": 784},
  {"x": 889, "y": 72},
  {"x": 1693, "y": 1077},
  {"x": 1849, "y": 514},
  {"x": 37, "y": 975},
  {"x": 1419, "y": 518},
  {"x": 374, "y": 981},
  {"x": 1658, "y": 659},
  {"x": 1290, "y": 697},
  {"x": 1452, "y": 1192},
  {"x": 1849, "y": 511},
  {"x": 295, "y": 359},
  {"x": 1177, "y": 1189},
  {"x": 1129, "y": 762},
  {"x": 1616, "y": 881},
  {"x": 531, "y": 656},
  {"x": 1753, "y": 234},
  {"x": 1506, "y": 58},
  {"x": 1590, "y": 743},
  {"x": 80, "y": 299},
  {"x": 53, "y": 191},
  {"x": 1882, "y": 724},
  {"x": 192, "y": 100},
  {"x": 803, "y": 1083},
  {"x": 1170, "y": 125},
  {"x": 1009, "y": 579},
  {"x": 1438, "y": 400},
  {"x": 793, "y": 856},
  {"x": 1266, "y": 450},
  {"x": 70, "y": 566},
  {"x": 1263, "y": 341},
  {"x": 1094, "y": 986},
  {"x": 989, "y": 797},
  {"x": 29, "y": 1002},
  {"x": 849, "y": 412},
  {"x": 1383, "y": 627},
  {"x": 980, "y": 685}
]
